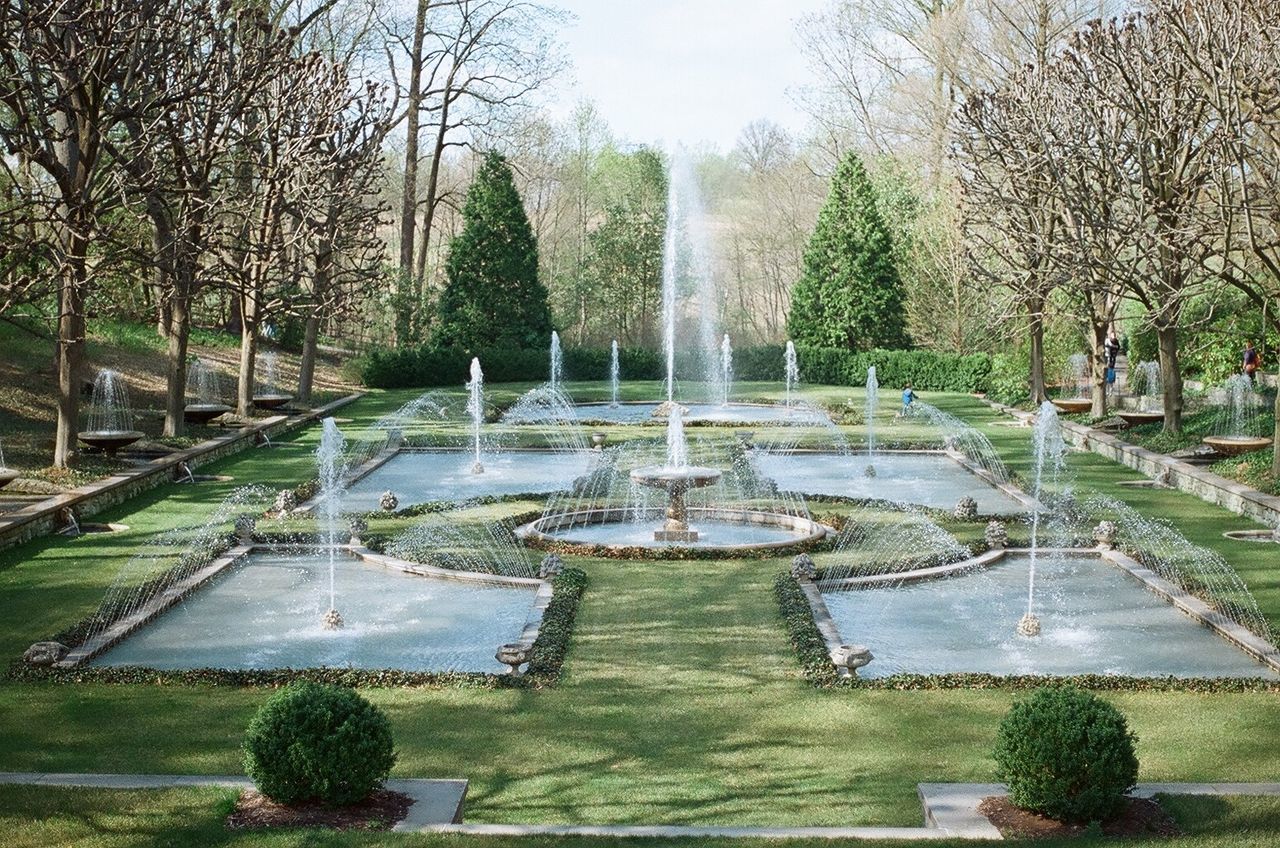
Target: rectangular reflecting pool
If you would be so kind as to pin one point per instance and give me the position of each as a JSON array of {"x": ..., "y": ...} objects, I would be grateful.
[
  {"x": 418, "y": 476},
  {"x": 932, "y": 480},
  {"x": 265, "y": 612},
  {"x": 1095, "y": 619}
]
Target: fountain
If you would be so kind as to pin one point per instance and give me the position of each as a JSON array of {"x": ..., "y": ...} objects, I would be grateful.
[
  {"x": 204, "y": 392},
  {"x": 110, "y": 416},
  {"x": 1076, "y": 380},
  {"x": 1049, "y": 451},
  {"x": 1238, "y": 425},
  {"x": 1146, "y": 386},
  {"x": 557, "y": 362},
  {"x": 873, "y": 400},
  {"x": 793, "y": 372},
  {"x": 726, "y": 370},
  {"x": 7, "y": 474},
  {"x": 614, "y": 375},
  {"x": 268, "y": 394},
  {"x": 329, "y": 464},
  {"x": 475, "y": 407},
  {"x": 676, "y": 477}
]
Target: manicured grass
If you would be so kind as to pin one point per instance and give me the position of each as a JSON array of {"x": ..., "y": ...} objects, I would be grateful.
[{"x": 681, "y": 700}]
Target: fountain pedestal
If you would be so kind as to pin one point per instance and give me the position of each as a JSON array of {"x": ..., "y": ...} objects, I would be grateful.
[{"x": 676, "y": 482}]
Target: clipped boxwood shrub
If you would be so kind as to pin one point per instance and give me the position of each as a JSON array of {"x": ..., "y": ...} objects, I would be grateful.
[
  {"x": 313, "y": 742},
  {"x": 1066, "y": 753}
]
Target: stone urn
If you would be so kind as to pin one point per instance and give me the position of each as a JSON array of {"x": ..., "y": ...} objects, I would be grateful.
[
  {"x": 286, "y": 501},
  {"x": 851, "y": 658},
  {"x": 358, "y": 527},
  {"x": 550, "y": 567},
  {"x": 598, "y": 439},
  {"x": 245, "y": 525},
  {"x": 803, "y": 567},
  {"x": 332, "y": 620},
  {"x": 1105, "y": 534},
  {"x": 966, "y": 509},
  {"x": 513, "y": 655},
  {"x": 45, "y": 653},
  {"x": 388, "y": 501},
  {"x": 1029, "y": 626},
  {"x": 664, "y": 409},
  {"x": 997, "y": 535}
]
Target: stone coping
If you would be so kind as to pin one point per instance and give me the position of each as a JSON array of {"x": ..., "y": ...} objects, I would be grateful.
[
  {"x": 1250, "y": 643},
  {"x": 40, "y": 518},
  {"x": 1204, "y": 484},
  {"x": 808, "y": 530},
  {"x": 433, "y": 801},
  {"x": 173, "y": 594}
]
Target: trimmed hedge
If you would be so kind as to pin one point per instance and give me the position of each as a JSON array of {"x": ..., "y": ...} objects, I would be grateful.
[{"x": 926, "y": 370}]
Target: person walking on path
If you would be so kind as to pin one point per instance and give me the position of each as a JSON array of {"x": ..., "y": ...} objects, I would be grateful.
[{"x": 1251, "y": 361}]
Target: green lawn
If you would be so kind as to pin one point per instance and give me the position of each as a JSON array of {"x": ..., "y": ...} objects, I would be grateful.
[{"x": 681, "y": 701}]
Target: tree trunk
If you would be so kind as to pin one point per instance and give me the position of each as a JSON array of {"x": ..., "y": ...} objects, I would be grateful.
[
  {"x": 1170, "y": 377},
  {"x": 71, "y": 330},
  {"x": 1099, "y": 370},
  {"x": 307, "y": 370},
  {"x": 1275, "y": 437},
  {"x": 248, "y": 354},
  {"x": 1038, "y": 395},
  {"x": 176, "y": 392},
  {"x": 409, "y": 200}
]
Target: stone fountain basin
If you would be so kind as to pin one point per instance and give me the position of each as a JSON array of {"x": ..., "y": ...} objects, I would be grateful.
[
  {"x": 728, "y": 530},
  {"x": 203, "y": 413},
  {"x": 1236, "y": 445},
  {"x": 7, "y": 476},
  {"x": 271, "y": 401},
  {"x": 667, "y": 477},
  {"x": 1072, "y": 406},
  {"x": 1133, "y": 419},
  {"x": 110, "y": 440}
]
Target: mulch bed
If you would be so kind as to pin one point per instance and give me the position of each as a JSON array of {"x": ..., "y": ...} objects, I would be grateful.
[
  {"x": 380, "y": 811},
  {"x": 1140, "y": 817}
]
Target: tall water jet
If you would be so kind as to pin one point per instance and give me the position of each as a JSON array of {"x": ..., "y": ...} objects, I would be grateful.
[
  {"x": 1048, "y": 452},
  {"x": 669, "y": 249},
  {"x": 793, "y": 371},
  {"x": 475, "y": 408},
  {"x": 726, "y": 369},
  {"x": 615, "y": 373},
  {"x": 1075, "y": 385},
  {"x": 872, "y": 401},
  {"x": 110, "y": 415},
  {"x": 557, "y": 362},
  {"x": 1237, "y": 429},
  {"x": 1147, "y": 378},
  {"x": 329, "y": 467}
]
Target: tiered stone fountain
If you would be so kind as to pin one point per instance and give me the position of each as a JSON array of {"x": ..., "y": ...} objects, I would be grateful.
[{"x": 676, "y": 477}]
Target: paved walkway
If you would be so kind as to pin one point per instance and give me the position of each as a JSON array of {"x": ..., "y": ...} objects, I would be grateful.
[{"x": 950, "y": 809}]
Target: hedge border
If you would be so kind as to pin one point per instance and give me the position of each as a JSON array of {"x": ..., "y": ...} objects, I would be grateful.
[
  {"x": 811, "y": 653},
  {"x": 545, "y": 664}
]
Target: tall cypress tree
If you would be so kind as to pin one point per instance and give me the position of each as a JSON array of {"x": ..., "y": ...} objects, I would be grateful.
[
  {"x": 849, "y": 294},
  {"x": 492, "y": 296}
]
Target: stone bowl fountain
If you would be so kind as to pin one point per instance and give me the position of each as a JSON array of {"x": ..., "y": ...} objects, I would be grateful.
[
  {"x": 271, "y": 401},
  {"x": 676, "y": 482},
  {"x": 110, "y": 441},
  {"x": 110, "y": 415},
  {"x": 7, "y": 476},
  {"x": 1072, "y": 406},
  {"x": 1133, "y": 419},
  {"x": 1236, "y": 445},
  {"x": 203, "y": 413}
]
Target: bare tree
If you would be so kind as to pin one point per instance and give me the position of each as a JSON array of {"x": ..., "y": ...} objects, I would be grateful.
[{"x": 65, "y": 66}]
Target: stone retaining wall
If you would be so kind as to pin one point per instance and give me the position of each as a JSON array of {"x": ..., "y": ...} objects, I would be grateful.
[{"x": 41, "y": 518}]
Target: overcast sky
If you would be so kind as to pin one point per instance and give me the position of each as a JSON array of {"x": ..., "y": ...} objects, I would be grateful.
[{"x": 685, "y": 71}]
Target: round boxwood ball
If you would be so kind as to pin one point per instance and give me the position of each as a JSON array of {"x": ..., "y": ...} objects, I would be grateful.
[
  {"x": 311, "y": 742},
  {"x": 1067, "y": 754}
]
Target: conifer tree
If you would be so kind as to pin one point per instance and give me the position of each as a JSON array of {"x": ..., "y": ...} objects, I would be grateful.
[
  {"x": 492, "y": 295},
  {"x": 849, "y": 294}
]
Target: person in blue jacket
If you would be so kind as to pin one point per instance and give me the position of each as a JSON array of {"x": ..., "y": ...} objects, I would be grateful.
[{"x": 908, "y": 398}]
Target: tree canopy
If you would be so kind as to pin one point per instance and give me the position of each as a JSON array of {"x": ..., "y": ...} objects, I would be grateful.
[
  {"x": 492, "y": 294},
  {"x": 849, "y": 294}
]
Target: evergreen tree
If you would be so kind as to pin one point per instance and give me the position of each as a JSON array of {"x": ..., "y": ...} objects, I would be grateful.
[
  {"x": 492, "y": 296},
  {"x": 849, "y": 294}
]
